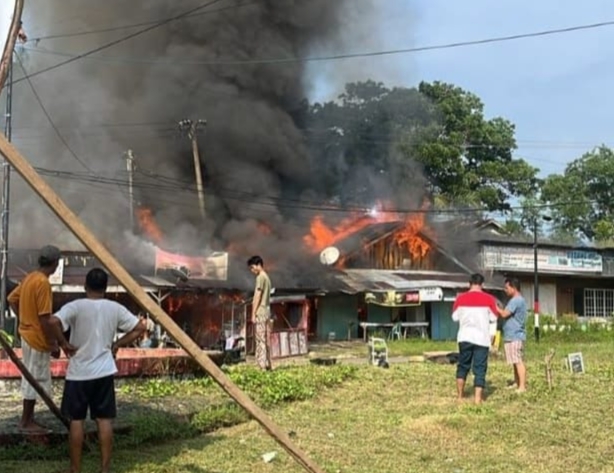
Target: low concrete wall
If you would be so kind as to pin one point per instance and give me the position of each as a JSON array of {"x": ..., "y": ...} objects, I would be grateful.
[{"x": 131, "y": 362}]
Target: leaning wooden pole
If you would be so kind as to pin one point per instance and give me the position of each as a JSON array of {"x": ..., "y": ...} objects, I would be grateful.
[
  {"x": 51, "y": 198},
  {"x": 37, "y": 387},
  {"x": 7, "y": 54}
]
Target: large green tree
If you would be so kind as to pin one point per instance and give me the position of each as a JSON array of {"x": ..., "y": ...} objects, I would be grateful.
[
  {"x": 434, "y": 137},
  {"x": 468, "y": 158},
  {"x": 357, "y": 137},
  {"x": 581, "y": 198}
]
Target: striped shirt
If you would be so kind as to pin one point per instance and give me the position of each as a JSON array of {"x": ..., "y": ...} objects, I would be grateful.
[{"x": 475, "y": 311}]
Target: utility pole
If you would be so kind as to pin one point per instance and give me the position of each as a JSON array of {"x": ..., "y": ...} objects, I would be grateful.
[
  {"x": 130, "y": 168},
  {"x": 536, "y": 308},
  {"x": 6, "y": 70},
  {"x": 6, "y": 178},
  {"x": 15, "y": 32},
  {"x": 191, "y": 128}
]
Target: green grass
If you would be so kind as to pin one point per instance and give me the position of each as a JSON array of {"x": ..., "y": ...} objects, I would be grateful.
[{"x": 404, "y": 419}]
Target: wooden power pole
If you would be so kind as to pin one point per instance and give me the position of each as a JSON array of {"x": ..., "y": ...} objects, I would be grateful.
[
  {"x": 68, "y": 217},
  {"x": 6, "y": 70},
  {"x": 9, "y": 47},
  {"x": 191, "y": 129},
  {"x": 130, "y": 169}
]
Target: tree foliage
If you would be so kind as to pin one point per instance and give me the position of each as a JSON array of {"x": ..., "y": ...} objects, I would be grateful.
[
  {"x": 467, "y": 158},
  {"x": 581, "y": 198},
  {"x": 434, "y": 137}
]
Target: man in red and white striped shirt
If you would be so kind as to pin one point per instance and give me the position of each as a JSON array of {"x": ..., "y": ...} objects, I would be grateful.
[{"x": 475, "y": 311}]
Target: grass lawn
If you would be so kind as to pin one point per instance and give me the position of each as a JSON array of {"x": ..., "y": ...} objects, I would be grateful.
[{"x": 405, "y": 419}]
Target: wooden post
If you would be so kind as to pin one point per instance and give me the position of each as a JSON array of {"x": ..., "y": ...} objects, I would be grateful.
[
  {"x": 37, "y": 387},
  {"x": 7, "y": 54},
  {"x": 73, "y": 222}
]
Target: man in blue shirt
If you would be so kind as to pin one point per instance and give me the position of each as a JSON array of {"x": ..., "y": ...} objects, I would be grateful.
[{"x": 514, "y": 331}]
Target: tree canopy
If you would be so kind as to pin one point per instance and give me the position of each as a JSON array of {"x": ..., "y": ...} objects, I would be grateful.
[
  {"x": 436, "y": 133},
  {"x": 581, "y": 198}
]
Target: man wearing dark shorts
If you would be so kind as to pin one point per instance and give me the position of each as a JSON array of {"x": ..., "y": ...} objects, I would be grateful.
[
  {"x": 475, "y": 311},
  {"x": 93, "y": 323}
]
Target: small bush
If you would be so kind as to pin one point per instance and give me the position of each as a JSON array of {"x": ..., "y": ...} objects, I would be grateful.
[{"x": 267, "y": 388}]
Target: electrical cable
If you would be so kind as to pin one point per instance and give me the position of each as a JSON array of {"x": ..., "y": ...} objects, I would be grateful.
[
  {"x": 333, "y": 57},
  {"x": 133, "y": 25},
  {"x": 117, "y": 41},
  {"x": 49, "y": 119}
]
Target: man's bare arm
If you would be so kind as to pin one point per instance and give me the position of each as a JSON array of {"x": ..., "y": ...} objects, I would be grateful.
[
  {"x": 58, "y": 333},
  {"x": 48, "y": 331},
  {"x": 131, "y": 336},
  {"x": 503, "y": 312}
]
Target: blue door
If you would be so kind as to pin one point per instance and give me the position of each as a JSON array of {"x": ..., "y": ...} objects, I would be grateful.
[{"x": 442, "y": 325}]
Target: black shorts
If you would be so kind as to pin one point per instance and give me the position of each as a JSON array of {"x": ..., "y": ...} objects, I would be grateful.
[{"x": 96, "y": 394}]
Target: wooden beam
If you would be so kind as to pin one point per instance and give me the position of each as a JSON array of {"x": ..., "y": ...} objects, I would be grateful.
[
  {"x": 37, "y": 387},
  {"x": 7, "y": 54},
  {"x": 49, "y": 196}
]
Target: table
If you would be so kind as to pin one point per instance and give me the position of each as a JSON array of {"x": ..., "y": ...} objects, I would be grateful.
[{"x": 421, "y": 326}]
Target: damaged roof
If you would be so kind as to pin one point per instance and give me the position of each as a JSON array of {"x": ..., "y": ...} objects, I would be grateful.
[
  {"x": 370, "y": 234},
  {"x": 378, "y": 280}
]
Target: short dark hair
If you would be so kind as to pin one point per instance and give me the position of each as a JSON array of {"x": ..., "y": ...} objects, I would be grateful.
[
  {"x": 97, "y": 280},
  {"x": 46, "y": 263},
  {"x": 476, "y": 279},
  {"x": 255, "y": 261},
  {"x": 514, "y": 282}
]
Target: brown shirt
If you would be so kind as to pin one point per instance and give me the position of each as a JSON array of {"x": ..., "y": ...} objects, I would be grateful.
[{"x": 263, "y": 286}]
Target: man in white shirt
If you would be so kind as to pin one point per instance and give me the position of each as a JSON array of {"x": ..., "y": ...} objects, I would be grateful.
[
  {"x": 476, "y": 312},
  {"x": 89, "y": 384}
]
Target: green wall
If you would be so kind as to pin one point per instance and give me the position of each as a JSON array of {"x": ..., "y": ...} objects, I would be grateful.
[
  {"x": 379, "y": 314},
  {"x": 334, "y": 314}
]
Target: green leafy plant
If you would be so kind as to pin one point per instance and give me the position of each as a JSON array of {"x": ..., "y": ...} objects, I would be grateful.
[
  {"x": 10, "y": 339},
  {"x": 268, "y": 388}
]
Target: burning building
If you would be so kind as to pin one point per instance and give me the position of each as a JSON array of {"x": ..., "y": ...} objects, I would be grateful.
[
  {"x": 389, "y": 268},
  {"x": 260, "y": 179}
]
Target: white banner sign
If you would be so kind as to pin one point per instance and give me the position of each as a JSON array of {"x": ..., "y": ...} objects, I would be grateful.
[
  {"x": 548, "y": 261},
  {"x": 431, "y": 294},
  {"x": 57, "y": 278}
]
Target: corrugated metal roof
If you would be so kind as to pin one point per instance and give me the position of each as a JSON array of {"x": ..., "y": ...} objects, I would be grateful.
[{"x": 361, "y": 280}]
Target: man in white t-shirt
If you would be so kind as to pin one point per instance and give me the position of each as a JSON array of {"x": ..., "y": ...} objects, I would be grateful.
[{"x": 93, "y": 323}]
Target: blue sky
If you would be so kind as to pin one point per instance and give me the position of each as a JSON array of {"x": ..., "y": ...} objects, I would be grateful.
[{"x": 556, "y": 89}]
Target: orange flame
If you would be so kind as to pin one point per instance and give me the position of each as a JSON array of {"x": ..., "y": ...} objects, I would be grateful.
[
  {"x": 148, "y": 225},
  {"x": 174, "y": 304},
  {"x": 232, "y": 297},
  {"x": 264, "y": 228},
  {"x": 410, "y": 235},
  {"x": 321, "y": 235}
]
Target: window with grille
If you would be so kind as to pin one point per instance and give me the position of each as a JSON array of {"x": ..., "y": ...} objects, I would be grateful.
[{"x": 598, "y": 302}]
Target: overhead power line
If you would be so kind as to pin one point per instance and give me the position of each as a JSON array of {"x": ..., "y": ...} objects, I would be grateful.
[
  {"x": 119, "y": 41},
  {"x": 333, "y": 57},
  {"x": 111, "y": 29},
  {"x": 172, "y": 186},
  {"x": 49, "y": 119}
]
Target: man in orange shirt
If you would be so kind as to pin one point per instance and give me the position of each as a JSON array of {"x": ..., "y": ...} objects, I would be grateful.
[{"x": 32, "y": 302}]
